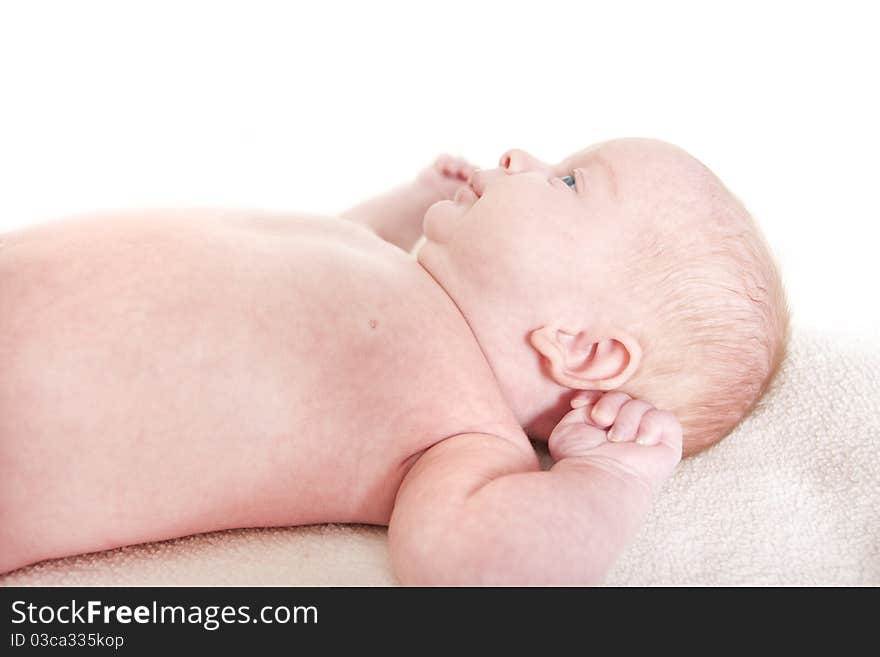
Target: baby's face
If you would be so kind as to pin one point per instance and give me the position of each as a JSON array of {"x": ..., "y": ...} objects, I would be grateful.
[
  {"x": 519, "y": 238},
  {"x": 648, "y": 264}
]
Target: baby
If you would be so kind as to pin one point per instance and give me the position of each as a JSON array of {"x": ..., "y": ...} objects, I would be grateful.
[{"x": 169, "y": 373}]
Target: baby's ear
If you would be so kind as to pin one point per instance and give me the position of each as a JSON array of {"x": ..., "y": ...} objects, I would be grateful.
[{"x": 584, "y": 360}]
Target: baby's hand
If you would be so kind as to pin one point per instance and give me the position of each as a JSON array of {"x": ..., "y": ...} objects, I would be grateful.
[
  {"x": 610, "y": 421},
  {"x": 443, "y": 178}
]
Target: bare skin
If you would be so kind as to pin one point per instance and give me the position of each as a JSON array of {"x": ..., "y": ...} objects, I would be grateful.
[{"x": 170, "y": 373}]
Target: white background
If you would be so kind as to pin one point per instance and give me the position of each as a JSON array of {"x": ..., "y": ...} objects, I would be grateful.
[{"x": 313, "y": 106}]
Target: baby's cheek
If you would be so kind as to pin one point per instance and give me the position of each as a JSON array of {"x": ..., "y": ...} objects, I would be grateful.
[
  {"x": 514, "y": 274},
  {"x": 506, "y": 244}
]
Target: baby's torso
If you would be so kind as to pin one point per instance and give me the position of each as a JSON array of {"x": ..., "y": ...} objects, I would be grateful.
[
  {"x": 372, "y": 363},
  {"x": 252, "y": 369}
]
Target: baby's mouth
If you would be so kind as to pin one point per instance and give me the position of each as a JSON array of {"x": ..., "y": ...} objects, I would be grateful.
[
  {"x": 465, "y": 194},
  {"x": 476, "y": 184}
]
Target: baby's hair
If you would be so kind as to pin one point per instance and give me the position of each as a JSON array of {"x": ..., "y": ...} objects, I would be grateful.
[{"x": 720, "y": 319}]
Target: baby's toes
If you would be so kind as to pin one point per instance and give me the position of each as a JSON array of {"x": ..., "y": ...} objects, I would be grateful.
[{"x": 629, "y": 418}]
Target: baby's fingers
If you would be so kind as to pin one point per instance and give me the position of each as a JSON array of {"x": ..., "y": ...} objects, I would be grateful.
[
  {"x": 629, "y": 420},
  {"x": 452, "y": 166},
  {"x": 605, "y": 411},
  {"x": 585, "y": 398},
  {"x": 575, "y": 435},
  {"x": 659, "y": 426}
]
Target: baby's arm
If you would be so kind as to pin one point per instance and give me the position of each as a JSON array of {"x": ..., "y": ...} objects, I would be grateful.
[
  {"x": 396, "y": 216},
  {"x": 475, "y": 509}
]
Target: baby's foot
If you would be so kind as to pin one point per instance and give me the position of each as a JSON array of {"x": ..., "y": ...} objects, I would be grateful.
[
  {"x": 443, "y": 178},
  {"x": 627, "y": 437}
]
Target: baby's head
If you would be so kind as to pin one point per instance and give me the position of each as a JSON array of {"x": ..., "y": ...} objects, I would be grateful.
[{"x": 646, "y": 276}]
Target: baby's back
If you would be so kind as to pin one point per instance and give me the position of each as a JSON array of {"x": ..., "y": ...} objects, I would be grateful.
[{"x": 172, "y": 373}]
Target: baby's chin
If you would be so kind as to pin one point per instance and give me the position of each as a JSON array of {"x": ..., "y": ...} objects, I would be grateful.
[{"x": 440, "y": 219}]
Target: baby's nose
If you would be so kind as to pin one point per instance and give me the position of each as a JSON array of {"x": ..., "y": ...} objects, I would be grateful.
[{"x": 517, "y": 161}]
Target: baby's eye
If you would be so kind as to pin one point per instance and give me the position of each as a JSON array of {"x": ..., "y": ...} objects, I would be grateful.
[{"x": 569, "y": 180}]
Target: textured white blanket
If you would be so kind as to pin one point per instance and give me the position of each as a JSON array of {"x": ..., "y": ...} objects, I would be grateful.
[{"x": 791, "y": 497}]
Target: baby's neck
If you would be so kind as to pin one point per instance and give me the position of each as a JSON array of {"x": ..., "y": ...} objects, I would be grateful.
[{"x": 537, "y": 402}]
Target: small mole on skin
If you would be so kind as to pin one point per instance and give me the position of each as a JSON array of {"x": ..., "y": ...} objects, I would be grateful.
[{"x": 373, "y": 323}]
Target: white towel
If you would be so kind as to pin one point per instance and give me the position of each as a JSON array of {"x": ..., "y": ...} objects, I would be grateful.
[{"x": 791, "y": 497}]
